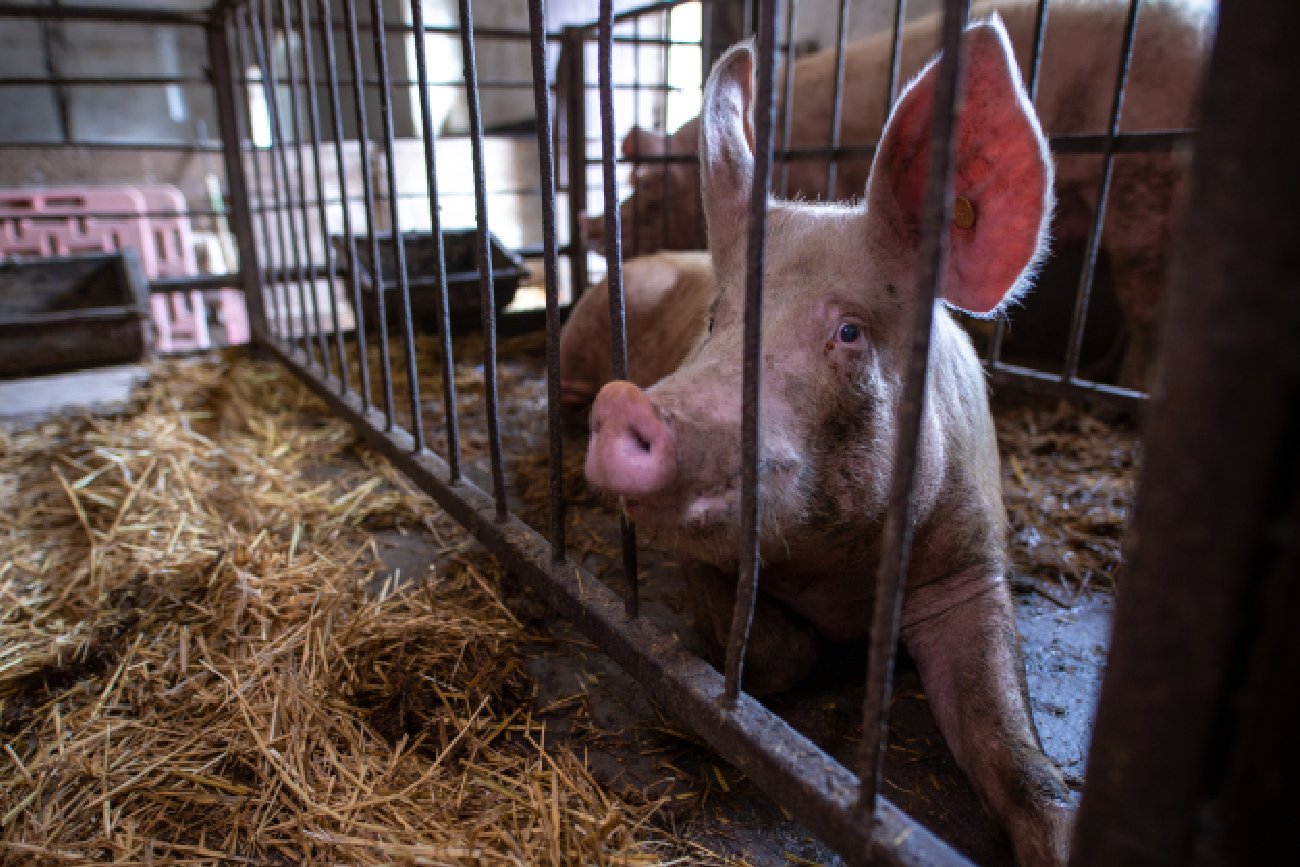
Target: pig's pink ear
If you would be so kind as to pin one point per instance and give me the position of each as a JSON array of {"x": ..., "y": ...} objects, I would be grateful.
[
  {"x": 643, "y": 143},
  {"x": 1002, "y": 176},
  {"x": 726, "y": 147}
]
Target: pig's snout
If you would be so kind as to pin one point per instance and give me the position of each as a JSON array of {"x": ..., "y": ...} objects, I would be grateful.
[{"x": 631, "y": 450}]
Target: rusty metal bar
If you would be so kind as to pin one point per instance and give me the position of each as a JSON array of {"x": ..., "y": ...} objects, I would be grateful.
[
  {"x": 280, "y": 161},
  {"x": 837, "y": 95},
  {"x": 551, "y": 264},
  {"x": 243, "y": 19},
  {"x": 896, "y": 536},
  {"x": 349, "y": 236},
  {"x": 1031, "y": 381},
  {"x": 787, "y": 102},
  {"x": 220, "y": 54},
  {"x": 450, "y": 410},
  {"x": 104, "y": 15},
  {"x": 614, "y": 266},
  {"x": 895, "y": 53},
  {"x": 313, "y": 110},
  {"x": 487, "y": 293},
  {"x": 399, "y": 243},
  {"x": 818, "y": 791},
  {"x": 286, "y": 25},
  {"x": 750, "y": 445},
  {"x": 1079, "y": 320},
  {"x": 372, "y": 226},
  {"x": 1035, "y": 64},
  {"x": 1194, "y": 757},
  {"x": 574, "y": 96}
]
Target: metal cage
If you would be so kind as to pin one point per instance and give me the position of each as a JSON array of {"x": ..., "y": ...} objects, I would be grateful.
[{"x": 1234, "y": 580}]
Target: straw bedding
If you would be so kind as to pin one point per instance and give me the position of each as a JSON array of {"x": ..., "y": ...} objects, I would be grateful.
[
  {"x": 196, "y": 666},
  {"x": 192, "y": 669}
]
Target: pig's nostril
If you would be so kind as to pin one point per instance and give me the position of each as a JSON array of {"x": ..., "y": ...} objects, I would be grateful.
[{"x": 644, "y": 444}]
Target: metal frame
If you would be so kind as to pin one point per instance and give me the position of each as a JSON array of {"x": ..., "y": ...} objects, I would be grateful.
[{"x": 844, "y": 808}]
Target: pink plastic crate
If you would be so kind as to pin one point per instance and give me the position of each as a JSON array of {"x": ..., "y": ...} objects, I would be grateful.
[{"x": 150, "y": 219}]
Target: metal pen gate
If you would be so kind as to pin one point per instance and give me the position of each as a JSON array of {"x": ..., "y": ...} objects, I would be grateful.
[{"x": 272, "y": 203}]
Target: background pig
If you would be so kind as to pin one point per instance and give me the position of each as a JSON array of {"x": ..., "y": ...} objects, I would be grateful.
[
  {"x": 840, "y": 296},
  {"x": 1080, "y": 59},
  {"x": 666, "y": 302}
]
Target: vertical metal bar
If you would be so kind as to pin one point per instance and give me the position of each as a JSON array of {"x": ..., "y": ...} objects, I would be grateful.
[
  {"x": 266, "y": 280},
  {"x": 350, "y": 238},
  {"x": 309, "y": 62},
  {"x": 226, "y": 88},
  {"x": 261, "y": 44},
  {"x": 750, "y": 445},
  {"x": 787, "y": 102},
  {"x": 837, "y": 98},
  {"x": 487, "y": 294},
  {"x": 667, "y": 173},
  {"x": 891, "y": 577},
  {"x": 895, "y": 56},
  {"x": 614, "y": 264},
  {"x": 1035, "y": 65},
  {"x": 1080, "y": 317},
  {"x": 283, "y": 277},
  {"x": 576, "y": 123},
  {"x": 50, "y": 41},
  {"x": 372, "y": 227},
  {"x": 554, "y": 429},
  {"x": 636, "y": 120},
  {"x": 450, "y": 409},
  {"x": 399, "y": 243},
  {"x": 286, "y": 23}
]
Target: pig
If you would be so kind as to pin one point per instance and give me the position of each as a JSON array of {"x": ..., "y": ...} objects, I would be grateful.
[
  {"x": 1080, "y": 59},
  {"x": 839, "y": 299},
  {"x": 666, "y": 297}
]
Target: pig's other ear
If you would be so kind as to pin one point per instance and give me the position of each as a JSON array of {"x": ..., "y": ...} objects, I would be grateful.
[
  {"x": 643, "y": 143},
  {"x": 726, "y": 147},
  {"x": 1002, "y": 169}
]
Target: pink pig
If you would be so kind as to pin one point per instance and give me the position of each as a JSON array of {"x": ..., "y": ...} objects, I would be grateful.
[
  {"x": 840, "y": 284},
  {"x": 1080, "y": 59}
]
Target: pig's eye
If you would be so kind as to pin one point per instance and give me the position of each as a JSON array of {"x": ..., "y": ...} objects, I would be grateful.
[{"x": 849, "y": 332}]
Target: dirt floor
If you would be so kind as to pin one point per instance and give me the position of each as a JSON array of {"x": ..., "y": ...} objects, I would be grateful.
[{"x": 1057, "y": 461}]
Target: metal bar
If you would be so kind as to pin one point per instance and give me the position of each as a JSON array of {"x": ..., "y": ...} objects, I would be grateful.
[
  {"x": 1194, "y": 758},
  {"x": 750, "y": 445},
  {"x": 203, "y": 282},
  {"x": 313, "y": 110},
  {"x": 1031, "y": 381},
  {"x": 286, "y": 20},
  {"x": 110, "y": 145},
  {"x": 636, "y": 121},
  {"x": 575, "y": 118},
  {"x": 349, "y": 236},
  {"x": 131, "y": 215},
  {"x": 399, "y": 243},
  {"x": 48, "y": 40},
  {"x": 837, "y": 95},
  {"x": 372, "y": 233},
  {"x": 82, "y": 314},
  {"x": 261, "y": 43},
  {"x": 104, "y": 15},
  {"x": 896, "y": 536},
  {"x": 450, "y": 411},
  {"x": 817, "y": 790},
  {"x": 1035, "y": 64},
  {"x": 1079, "y": 320},
  {"x": 614, "y": 266},
  {"x": 487, "y": 294},
  {"x": 93, "y": 81},
  {"x": 787, "y": 103},
  {"x": 895, "y": 54},
  {"x": 667, "y": 182},
  {"x": 546, "y": 158},
  {"x": 286, "y": 330}
]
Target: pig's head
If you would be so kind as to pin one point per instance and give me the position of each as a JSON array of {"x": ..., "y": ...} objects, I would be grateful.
[
  {"x": 663, "y": 212},
  {"x": 839, "y": 298}
]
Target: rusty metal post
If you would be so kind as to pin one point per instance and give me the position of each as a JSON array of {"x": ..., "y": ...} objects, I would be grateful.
[{"x": 1195, "y": 754}]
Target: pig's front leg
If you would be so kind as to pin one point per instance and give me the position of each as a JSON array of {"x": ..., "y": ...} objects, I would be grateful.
[{"x": 962, "y": 634}]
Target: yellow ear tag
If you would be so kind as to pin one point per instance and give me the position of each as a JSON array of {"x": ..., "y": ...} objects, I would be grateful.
[{"x": 963, "y": 213}]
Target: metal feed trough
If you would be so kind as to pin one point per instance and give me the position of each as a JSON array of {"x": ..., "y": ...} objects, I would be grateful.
[{"x": 1192, "y": 755}]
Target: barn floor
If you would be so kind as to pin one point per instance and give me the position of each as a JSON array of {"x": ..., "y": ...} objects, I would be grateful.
[{"x": 1058, "y": 462}]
